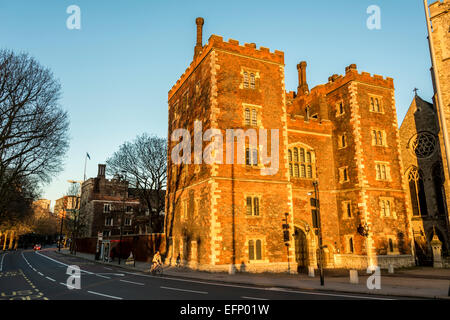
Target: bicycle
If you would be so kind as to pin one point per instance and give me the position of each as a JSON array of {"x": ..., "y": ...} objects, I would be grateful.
[{"x": 158, "y": 270}]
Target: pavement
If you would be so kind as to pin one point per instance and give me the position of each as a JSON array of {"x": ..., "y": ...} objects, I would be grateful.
[
  {"x": 417, "y": 282},
  {"x": 49, "y": 275}
]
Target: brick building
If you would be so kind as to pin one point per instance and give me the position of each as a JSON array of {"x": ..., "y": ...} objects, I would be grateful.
[
  {"x": 106, "y": 202},
  {"x": 343, "y": 134}
]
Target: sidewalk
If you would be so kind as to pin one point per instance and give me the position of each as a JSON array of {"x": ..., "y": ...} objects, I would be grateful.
[{"x": 413, "y": 282}]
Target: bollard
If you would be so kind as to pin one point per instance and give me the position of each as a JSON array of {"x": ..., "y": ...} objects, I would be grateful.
[
  {"x": 391, "y": 268},
  {"x": 354, "y": 276},
  {"x": 311, "y": 272},
  {"x": 232, "y": 269}
]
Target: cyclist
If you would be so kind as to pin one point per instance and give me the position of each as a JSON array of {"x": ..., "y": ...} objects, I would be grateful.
[{"x": 156, "y": 261}]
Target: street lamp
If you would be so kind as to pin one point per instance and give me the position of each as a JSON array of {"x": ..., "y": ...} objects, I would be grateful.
[
  {"x": 122, "y": 215},
  {"x": 363, "y": 229},
  {"x": 318, "y": 227},
  {"x": 286, "y": 238},
  {"x": 60, "y": 230}
]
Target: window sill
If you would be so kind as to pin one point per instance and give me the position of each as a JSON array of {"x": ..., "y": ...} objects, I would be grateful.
[
  {"x": 301, "y": 178},
  {"x": 257, "y": 261}
]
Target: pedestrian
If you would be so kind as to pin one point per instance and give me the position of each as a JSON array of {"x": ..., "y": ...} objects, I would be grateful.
[
  {"x": 113, "y": 254},
  {"x": 178, "y": 260}
]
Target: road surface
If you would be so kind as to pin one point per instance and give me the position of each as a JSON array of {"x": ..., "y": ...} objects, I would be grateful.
[{"x": 29, "y": 275}]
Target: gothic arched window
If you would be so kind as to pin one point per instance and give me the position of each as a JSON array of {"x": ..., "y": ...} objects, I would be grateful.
[
  {"x": 438, "y": 184},
  {"x": 417, "y": 192}
]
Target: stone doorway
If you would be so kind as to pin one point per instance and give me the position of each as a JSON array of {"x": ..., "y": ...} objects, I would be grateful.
[{"x": 301, "y": 250}]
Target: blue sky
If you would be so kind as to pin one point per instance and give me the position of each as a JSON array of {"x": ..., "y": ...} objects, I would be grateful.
[{"x": 116, "y": 71}]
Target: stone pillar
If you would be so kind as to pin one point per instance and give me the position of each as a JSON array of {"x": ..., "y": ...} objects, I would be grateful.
[
  {"x": 436, "y": 246},
  {"x": 16, "y": 243},
  {"x": 5, "y": 240},
  {"x": 11, "y": 240},
  {"x": 354, "y": 276}
]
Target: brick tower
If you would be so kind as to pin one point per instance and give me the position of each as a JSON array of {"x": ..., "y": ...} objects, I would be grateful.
[{"x": 341, "y": 136}]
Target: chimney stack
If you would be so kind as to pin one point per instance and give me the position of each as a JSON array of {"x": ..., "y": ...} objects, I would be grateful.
[
  {"x": 101, "y": 170},
  {"x": 199, "y": 46},
  {"x": 302, "y": 85}
]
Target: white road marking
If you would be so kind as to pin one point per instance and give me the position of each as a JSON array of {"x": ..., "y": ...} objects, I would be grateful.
[
  {"x": 43, "y": 255},
  {"x": 177, "y": 289},
  {"x": 51, "y": 279},
  {"x": 139, "y": 283},
  {"x": 40, "y": 273},
  {"x": 105, "y": 295},
  {"x": 99, "y": 275},
  {"x": 68, "y": 286},
  {"x": 107, "y": 268},
  {"x": 263, "y": 289},
  {"x": 1, "y": 263},
  {"x": 253, "y": 298}
]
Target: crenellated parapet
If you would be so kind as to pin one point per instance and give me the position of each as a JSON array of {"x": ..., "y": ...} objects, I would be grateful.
[{"x": 233, "y": 46}]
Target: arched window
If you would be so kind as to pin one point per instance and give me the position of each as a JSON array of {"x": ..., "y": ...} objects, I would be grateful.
[
  {"x": 377, "y": 105},
  {"x": 301, "y": 163},
  {"x": 251, "y": 250},
  {"x": 391, "y": 245},
  {"x": 438, "y": 184},
  {"x": 302, "y": 155},
  {"x": 252, "y": 80},
  {"x": 245, "y": 79},
  {"x": 254, "y": 118},
  {"x": 247, "y": 116},
  {"x": 308, "y": 157},
  {"x": 417, "y": 192},
  {"x": 258, "y": 250}
]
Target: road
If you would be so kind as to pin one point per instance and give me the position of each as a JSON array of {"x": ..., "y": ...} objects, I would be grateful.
[{"x": 29, "y": 275}]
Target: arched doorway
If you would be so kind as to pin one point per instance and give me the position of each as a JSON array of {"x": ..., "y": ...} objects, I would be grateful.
[{"x": 301, "y": 250}]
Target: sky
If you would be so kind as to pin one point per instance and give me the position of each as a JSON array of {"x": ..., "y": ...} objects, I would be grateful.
[{"x": 117, "y": 69}]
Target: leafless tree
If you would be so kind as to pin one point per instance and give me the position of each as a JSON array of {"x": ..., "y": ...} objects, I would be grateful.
[
  {"x": 145, "y": 162},
  {"x": 33, "y": 127},
  {"x": 76, "y": 221}
]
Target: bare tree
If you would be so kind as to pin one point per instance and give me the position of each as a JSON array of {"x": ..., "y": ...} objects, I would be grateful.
[
  {"x": 75, "y": 220},
  {"x": 33, "y": 127},
  {"x": 145, "y": 162}
]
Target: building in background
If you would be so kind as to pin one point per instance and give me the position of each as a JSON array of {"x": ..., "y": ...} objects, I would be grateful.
[
  {"x": 424, "y": 174},
  {"x": 423, "y": 148},
  {"x": 343, "y": 134},
  {"x": 109, "y": 205}
]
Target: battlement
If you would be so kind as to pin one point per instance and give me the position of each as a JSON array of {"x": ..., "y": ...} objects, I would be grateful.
[
  {"x": 439, "y": 7},
  {"x": 214, "y": 41},
  {"x": 352, "y": 74},
  {"x": 248, "y": 49}
]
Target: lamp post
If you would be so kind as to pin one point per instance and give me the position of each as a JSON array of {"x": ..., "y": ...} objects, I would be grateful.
[
  {"x": 122, "y": 215},
  {"x": 76, "y": 212},
  {"x": 286, "y": 238},
  {"x": 60, "y": 230},
  {"x": 319, "y": 230}
]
